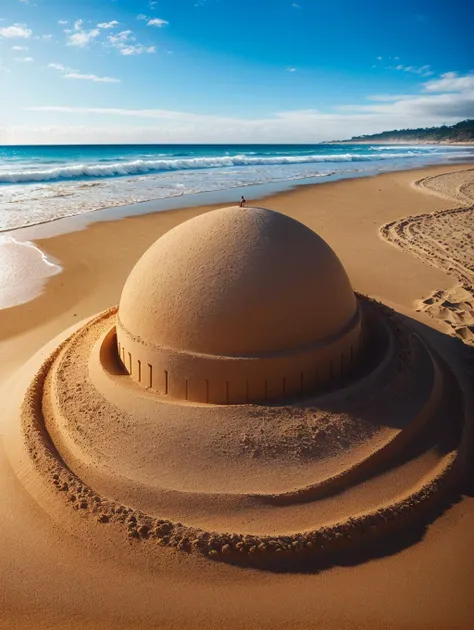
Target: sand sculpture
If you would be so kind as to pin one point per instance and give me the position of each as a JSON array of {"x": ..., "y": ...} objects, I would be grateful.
[
  {"x": 235, "y": 307},
  {"x": 243, "y": 402}
]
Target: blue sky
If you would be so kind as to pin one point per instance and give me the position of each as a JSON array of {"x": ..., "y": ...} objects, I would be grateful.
[{"x": 231, "y": 70}]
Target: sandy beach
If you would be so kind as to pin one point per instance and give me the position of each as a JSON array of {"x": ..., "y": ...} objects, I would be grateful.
[{"x": 405, "y": 239}]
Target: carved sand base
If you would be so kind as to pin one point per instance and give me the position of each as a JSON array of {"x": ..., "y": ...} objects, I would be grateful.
[{"x": 362, "y": 463}]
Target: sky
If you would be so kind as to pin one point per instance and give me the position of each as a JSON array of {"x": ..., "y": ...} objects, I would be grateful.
[{"x": 222, "y": 71}]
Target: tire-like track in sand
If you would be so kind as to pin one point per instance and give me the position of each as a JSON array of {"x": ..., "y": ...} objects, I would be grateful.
[{"x": 444, "y": 239}]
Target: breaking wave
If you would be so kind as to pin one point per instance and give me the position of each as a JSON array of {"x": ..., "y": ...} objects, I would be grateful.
[{"x": 139, "y": 167}]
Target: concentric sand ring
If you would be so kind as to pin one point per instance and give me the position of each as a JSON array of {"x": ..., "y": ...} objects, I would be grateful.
[{"x": 312, "y": 517}]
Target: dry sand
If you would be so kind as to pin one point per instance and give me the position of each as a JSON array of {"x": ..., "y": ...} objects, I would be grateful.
[
  {"x": 65, "y": 573},
  {"x": 444, "y": 239}
]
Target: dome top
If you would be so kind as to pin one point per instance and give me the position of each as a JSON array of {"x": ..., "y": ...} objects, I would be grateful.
[{"x": 237, "y": 282}]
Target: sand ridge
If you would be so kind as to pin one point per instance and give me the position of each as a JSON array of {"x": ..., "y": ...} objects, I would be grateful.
[
  {"x": 139, "y": 525},
  {"x": 457, "y": 186},
  {"x": 444, "y": 239}
]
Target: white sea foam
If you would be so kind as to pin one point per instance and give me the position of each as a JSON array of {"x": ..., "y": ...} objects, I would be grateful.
[
  {"x": 23, "y": 271},
  {"x": 26, "y": 205},
  {"x": 137, "y": 167},
  {"x": 400, "y": 147},
  {"x": 41, "y": 185}
]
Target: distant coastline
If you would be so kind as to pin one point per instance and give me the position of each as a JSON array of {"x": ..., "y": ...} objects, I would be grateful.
[
  {"x": 467, "y": 143},
  {"x": 460, "y": 134}
]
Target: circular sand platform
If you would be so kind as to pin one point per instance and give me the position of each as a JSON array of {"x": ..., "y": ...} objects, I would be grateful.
[{"x": 287, "y": 433}]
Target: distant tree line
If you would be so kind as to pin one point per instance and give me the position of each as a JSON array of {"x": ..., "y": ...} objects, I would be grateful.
[{"x": 460, "y": 132}]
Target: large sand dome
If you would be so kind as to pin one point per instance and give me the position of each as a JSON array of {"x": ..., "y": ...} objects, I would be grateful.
[{"x": 236, "y": 305}]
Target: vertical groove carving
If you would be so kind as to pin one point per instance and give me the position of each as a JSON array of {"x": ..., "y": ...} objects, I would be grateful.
[{"x": 341, "y": 365}]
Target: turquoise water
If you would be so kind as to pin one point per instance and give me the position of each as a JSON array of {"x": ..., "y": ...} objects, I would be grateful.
[{"x": 42, "y": 183}]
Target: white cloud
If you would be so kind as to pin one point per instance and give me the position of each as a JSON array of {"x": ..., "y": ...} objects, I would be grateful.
[
  {"x": 157, "y": 22},
  {"x": 388, "y": 97},
  {"x": 70, "y": 73},
  {"x": 120, "y": 38},
  {"x": 91, "y": 77},
  {"x": 164, "y": 114},
  {"x": 295, "y": 5},
  {"x": 62, "y": 22},
  {"x": 424, "y": 71},
  {"x": 385, "y": 112},
  {"x": 379, "y": 58},
  {"x": 137, "y": 49},
  {"x": 16, "y": 31},
  {"x": 60, "y": 67},
  {"x": 24, "y": 59},
  {"x": 80, "y": 37},
  {"x": 419, "y": 110},
  {"x": 151, "y": 21},
  {"x": 107, "y": 25},
  {"x": 382, "y": 112},
  {"x": 450, "y": 82},
  {"x": 418, "y": 105},
  {"x": 450, "y": 89},
  {"x": 124, "y": 43},
  {"x": 83, "y": 38},
  {"x": 19, "y": 47},
  {"x": 291, "y": 69}
]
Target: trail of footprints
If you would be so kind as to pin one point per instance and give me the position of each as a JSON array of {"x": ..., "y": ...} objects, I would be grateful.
[{"x": 455, "y": 308}]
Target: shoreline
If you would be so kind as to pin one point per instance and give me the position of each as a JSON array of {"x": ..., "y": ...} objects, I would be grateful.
[
  {"x": 224, "y": 195},
  {"x": 31, "y": 234},
  {"x": 70, "y": 242}
]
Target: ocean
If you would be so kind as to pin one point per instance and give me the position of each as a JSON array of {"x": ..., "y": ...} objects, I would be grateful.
[{"x": 44, "y": 183}]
